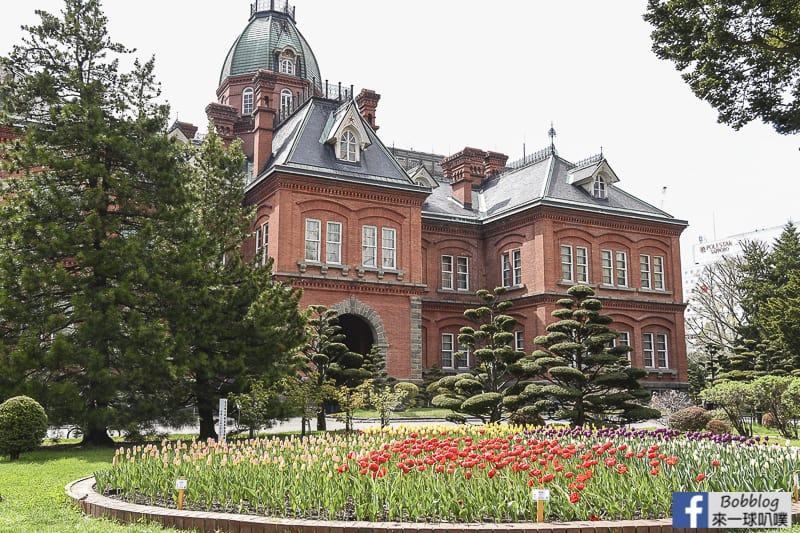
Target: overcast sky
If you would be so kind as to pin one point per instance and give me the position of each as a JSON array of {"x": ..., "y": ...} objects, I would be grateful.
[{"x": 493, "y": 75}]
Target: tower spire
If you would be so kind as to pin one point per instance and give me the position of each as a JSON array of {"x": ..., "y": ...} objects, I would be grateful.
[{"x": 552, "y": 133}]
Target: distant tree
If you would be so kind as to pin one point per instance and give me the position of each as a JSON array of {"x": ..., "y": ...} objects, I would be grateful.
[
  {"x": 496, "y": 387},
  {"x": 385, "y": 399},
  {"x": 304, "y": 397},
  {"x": 741, "y": 56},
  {"x": 86, "y": 225},
  {"x": 772, "y": 394},
  {"x": 327, "y": 356},
  {"x": 350, "y": 400},
  {"x": 430, "y": 377},
  {"x": 258, "y": 407},
  {"x": 589, "y": 381},
  {"x": 737, "y": 400}
]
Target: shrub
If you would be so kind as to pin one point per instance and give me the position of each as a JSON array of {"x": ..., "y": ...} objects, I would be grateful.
[
  {"x": 23, "y": 425},
  {"x": 690, "y": 419},
  {"x": 768, "y": 420},
  {"x": 718, "y": 427},
  {"x": 412, "y": 392}
]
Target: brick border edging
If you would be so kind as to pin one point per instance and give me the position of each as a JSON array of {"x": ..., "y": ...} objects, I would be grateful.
[{"x": 92, "y": 503}]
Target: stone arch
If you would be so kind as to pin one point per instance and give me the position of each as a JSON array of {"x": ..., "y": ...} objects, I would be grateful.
[{"x": 353, "y": 306}]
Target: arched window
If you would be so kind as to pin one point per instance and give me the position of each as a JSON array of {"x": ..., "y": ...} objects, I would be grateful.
[
  {"x": 599, "y": 190},
  {"x": 247, "y": 101},
  {"x": 348, "y": 147},
  {"x": 286, "y": 102},
  {"x": 287, "y": 66}
]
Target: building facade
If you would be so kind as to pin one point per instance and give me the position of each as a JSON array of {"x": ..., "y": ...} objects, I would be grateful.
[{"x": 398, "y": 241}]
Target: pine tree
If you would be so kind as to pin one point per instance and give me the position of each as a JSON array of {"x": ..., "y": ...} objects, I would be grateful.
[
  {"x": 85, "y": 224},
  {"x": 590, "y": 382},
  {"x": 496, "y": 387}
]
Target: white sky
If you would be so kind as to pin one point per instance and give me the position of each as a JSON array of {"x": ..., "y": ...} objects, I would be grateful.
[{"x": 493, "y": 75}]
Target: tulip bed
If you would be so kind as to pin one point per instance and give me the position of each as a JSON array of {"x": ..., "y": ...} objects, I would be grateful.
[{"x": 438, "y": 473}]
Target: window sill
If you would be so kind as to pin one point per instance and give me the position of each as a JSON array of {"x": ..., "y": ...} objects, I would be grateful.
[
  {"x": 616, "y": 288},
  {"x": 454, "y": 291},
  {"x": 655, "y": 291},
  {"x": 565, "y": 283},
  {"x": 513, "y": 288},
  {"x": 361, "y": 272},
  {"x": 661, "y": 372}
]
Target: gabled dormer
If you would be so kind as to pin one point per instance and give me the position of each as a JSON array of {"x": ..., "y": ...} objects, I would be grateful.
[
  {"x": 420, "y": 175},
  {"x": 346, "y": 131},
  {"x": 595, "y": 177}
]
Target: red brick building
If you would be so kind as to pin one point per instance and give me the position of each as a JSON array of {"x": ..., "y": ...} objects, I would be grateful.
[{"x": 398, "y": 241}]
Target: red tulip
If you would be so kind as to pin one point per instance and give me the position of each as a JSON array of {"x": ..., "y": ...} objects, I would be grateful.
[
  {"x": 700, "y": 477},
  {"x": 574, "y": 497}
]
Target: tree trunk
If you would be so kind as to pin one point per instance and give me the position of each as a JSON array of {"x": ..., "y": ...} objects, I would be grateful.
[
  {"x": 96, "y": 433},
  {"x": 321, "y": 420},
  {"x": 207, "y": 430}
]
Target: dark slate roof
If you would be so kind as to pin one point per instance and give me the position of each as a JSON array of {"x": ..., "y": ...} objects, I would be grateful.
[
  {"x": 297, "y": 145},
  {"x": 254, "y": 49},
  {"x": 542, "y": 182}
]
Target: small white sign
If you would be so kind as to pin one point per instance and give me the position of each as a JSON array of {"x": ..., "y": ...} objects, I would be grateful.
[
  {"x": 541, "y": 495},
  {"x": 180, "y": 484},
  {"x": 223, "y": 418}
]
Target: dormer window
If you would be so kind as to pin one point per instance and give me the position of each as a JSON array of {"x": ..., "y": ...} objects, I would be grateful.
[
  {"x": 287, "y": 66},
  {"x": 286, "y": 102},
  {"x": 599, "y": 190},
  {"x": 247, "y": 101},
  {"x": 348, "y": 148}
]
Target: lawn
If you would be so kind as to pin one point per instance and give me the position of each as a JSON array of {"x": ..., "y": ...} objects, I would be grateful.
[{"x": 413, "y": 412}]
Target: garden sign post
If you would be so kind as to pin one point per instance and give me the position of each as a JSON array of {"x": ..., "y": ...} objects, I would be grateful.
[{"x": 223, "y": 418}]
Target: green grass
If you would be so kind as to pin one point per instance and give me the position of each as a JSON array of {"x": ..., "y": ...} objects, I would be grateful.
[
  {"x": 33, "y": 495},
  {"x": 414, "y": 412},
  {"x": 760, "y": 430}
]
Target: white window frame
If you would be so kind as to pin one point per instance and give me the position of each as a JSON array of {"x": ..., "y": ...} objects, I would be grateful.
[
  {"x": 447, "y": 272},
  {"x": 607, "y": 265},
  {"x": 624, "y": 339},
  {"x": 658, "y": 273},
  {"x": 448, "y": 350},
  {"x": 645, "y": 270},
  {"x": 511, "y": 268},
  {"x": 462, "y": 273},
  {"x": 599, "y": 189},
  {"x": 348, "y": 146},
  {"x": 287, "y": 66},
  {"x": 582, "y": 264},
  {"x": 567, "y": 272},
  {"x": 286, "y": 102},
  {"x": 662, "y": 351},
  {"x": 312, "y": 242},
  {"x": 519, "y": 340},
  {"x": 247, "y": 101},
  {"x": 262, "y": 245},
  {"x": 621, "y": 264},
  {"x": 461, "y": 361},
  {"x": 333, "y": 243},
  {"x": 648, "y": 350},
  {"x": 389, "y": 248},
  {"x": 369, "y": 246}
]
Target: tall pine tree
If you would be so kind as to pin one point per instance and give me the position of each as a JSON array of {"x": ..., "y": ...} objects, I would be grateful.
[{"x": 83, "y": 224}]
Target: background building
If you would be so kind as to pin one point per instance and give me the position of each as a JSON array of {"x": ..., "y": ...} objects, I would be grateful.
[{"x": 398, "y": 241}]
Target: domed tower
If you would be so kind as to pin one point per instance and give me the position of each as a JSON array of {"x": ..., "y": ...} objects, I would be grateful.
[{"x": 267, "y": 73}]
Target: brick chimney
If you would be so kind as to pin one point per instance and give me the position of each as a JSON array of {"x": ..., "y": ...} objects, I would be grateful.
[
  {"x": 264, "y": 115},
  {"x": 224, "y": 117},
  {"x": 465, "y": 170},
  {"x": 367, "y": 101},
  {"x": 494, "y": 163}
]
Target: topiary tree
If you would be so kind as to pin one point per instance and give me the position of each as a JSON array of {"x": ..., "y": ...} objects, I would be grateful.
[
  {"x": 589, "y": 381},
  {"x": 496, "y": 387},
  {"x": 692, "y": 418},
  {"x": 771, "y": 394},
  {"x": 23, "y": 425},
  {"x": 736, "y": 399}
]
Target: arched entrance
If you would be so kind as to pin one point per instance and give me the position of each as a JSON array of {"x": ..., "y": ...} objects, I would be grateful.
[{"x": 358, "y": 333}]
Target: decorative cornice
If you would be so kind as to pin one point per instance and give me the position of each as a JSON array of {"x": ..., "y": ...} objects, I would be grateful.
[{"x": 352, "y": 286}]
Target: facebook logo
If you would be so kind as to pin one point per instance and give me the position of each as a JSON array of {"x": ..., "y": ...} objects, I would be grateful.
[{"x": 690, "y": 509}]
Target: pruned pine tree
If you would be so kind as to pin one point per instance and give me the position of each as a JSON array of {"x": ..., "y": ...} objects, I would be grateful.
[
  {"x": 589, "y": 381},
  {"x": 496, "y": 387}
]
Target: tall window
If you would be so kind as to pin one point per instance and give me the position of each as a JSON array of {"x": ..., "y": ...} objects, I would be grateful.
[
  {"x": 658, "y": 272},
  {"x": 519, "y": 340},
  {"x": 624, "y": 339},
  {"x": 644, "y": 268},
  {"x": 462, "y": 356},
  {"x": 599, "y": 190},
  {"x": 448, "y": 349},
  {"x": 388, "y": 248},
  {"x": 463, "y": 273},
  {"x": 607, "y": 266},
  {"x": 312, "y": 239},
  {"x": 333, "y": 243},
  {"x": 447, "y": 271},
  {"x": 369, "y": 246},
  {"x": 566, "y": 263},
  {"x": 286, "y": 102},
  {"x": 347, "y": 146},
  {"x": 511, "y": 267},
  {"x": 655, "y": 350},
  {"x": 582, "y": 264},
  {"x": 262, "y": 245},
  {"x": 622, "y": 269},
  {"x": 247, "y": 101}
]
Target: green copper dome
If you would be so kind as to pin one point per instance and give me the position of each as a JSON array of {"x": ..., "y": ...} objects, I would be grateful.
[{"x": 271, "y": 29}]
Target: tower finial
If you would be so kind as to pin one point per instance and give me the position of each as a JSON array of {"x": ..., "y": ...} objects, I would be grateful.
[{"x": 552, "y": 133}]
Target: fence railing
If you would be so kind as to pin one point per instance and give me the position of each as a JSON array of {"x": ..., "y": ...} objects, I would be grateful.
[{"x": 272, "y": 5}]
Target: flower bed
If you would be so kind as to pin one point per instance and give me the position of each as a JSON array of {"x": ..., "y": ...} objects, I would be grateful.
[{"x": 468, "y": 473}]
